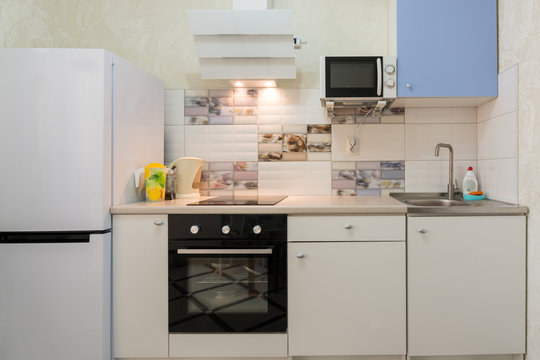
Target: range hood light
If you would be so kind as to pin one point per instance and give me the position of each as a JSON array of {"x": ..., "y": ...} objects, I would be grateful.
[{"x": 254, "y": 83}]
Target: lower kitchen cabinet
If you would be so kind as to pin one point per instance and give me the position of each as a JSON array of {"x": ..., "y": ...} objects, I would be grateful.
[
  {"x": 347, "y": 297},
  {"x": 466, "y": 285},
  {"x": 140, "y": 286}
]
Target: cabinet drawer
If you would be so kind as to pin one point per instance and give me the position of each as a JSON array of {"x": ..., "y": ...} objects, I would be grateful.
[{"x": 346, "y": 228}]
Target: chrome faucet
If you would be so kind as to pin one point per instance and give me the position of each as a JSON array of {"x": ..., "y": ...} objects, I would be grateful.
[{"x": 450, "y": 168}]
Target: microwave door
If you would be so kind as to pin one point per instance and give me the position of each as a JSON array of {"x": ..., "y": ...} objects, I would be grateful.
[{"x": 353, "y": 76}]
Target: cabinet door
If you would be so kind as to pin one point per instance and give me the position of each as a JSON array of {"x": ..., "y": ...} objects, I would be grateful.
[
  {"x": 466, "y": 285},
  {"x": 140, "y": 286},
  {"x": 346, "y": 298},
  {"x": 447, "y": 48}
]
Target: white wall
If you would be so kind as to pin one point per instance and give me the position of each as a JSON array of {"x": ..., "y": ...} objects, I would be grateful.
[
  {"x": 498, "y": 141},
  {"x": 154, "y": 35},
  {"x": 519, "y": 44}
]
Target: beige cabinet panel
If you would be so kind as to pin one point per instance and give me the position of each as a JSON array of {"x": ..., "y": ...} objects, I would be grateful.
[
  {"x": 346, "y": 228},
  {"x": 140, "y": 288},
  {"x": 466, "y": 285},
  {"x": 346, "y": 298}
]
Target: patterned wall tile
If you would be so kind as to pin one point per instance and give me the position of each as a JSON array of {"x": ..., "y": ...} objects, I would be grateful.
[
  {"x": 245, "y": 133},
  {"x": 245, "y": 97}
]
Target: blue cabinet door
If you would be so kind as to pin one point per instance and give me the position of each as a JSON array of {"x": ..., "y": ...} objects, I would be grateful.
[{"x": 447, "y": 48}]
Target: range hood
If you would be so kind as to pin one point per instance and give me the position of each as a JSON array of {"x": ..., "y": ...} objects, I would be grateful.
[{"x": 249, "y": 42}]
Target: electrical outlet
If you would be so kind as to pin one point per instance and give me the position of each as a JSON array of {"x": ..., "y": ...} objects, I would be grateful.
[{"x": 351, "y": 145}]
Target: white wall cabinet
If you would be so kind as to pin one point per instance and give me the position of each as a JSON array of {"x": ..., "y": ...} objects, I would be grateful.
[
  {"x": 140, "y": 286},
  {"x": 466, "y": 285},
  {"x": 346, "y": 297}
]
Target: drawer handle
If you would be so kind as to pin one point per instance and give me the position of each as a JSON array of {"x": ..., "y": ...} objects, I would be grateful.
[
  {"x": 158, "y": 222},
  {"x": 422, "y": 231},
  {"x": 300, "y": 255},
  {"x": 348, "y": 226}
]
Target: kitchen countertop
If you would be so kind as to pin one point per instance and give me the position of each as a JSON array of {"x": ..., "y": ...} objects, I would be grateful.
[
  {"x": 322, "y": 205},
  {"x": 289, "y": 205}
]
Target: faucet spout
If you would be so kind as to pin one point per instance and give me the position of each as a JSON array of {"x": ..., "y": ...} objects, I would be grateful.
[{"x": 450, "y": 167}]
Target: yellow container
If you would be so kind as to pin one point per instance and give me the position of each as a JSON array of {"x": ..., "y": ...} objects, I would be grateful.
[
  {"x": 155, "y": 175},
  {"x": 154, "y": 180}
]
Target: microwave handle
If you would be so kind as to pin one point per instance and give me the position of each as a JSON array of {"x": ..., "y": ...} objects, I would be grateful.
[
  {"x": 224, "y": 251},
  {"x": 379, "y": 76}
]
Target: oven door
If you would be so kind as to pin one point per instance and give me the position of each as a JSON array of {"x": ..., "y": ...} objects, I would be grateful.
[
  {"x": 353, "y": 76},
  {"x": 220, "y": 286}
]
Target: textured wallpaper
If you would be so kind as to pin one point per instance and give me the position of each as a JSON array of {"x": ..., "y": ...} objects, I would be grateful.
[
  {"x": 519, "y": 42},
  {"x": 154, "y": 34}
]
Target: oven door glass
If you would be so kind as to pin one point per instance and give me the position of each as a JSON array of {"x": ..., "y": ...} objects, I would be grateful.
[{"x": 232, "y": 288}]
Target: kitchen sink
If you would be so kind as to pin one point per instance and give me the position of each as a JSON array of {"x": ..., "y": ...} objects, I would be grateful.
[{"x": 435, "y": 202}]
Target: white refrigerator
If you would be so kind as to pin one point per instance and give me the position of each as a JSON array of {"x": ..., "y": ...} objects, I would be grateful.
[{"x": 74, "y": 124}]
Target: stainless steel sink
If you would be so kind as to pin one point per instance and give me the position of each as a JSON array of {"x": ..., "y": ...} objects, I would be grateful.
[
  {"x": 438, "y": 204},
  {"x": 435, "y": 202}
]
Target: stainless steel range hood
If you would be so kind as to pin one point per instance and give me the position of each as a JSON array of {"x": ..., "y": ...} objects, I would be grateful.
[{"x": 246, "y": 43}]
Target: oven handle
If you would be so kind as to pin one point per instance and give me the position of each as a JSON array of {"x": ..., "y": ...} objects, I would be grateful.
[{"x": 225, "y": 251}]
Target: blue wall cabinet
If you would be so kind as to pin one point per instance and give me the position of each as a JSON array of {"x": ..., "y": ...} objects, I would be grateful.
[{"x": 447, "y": 48}]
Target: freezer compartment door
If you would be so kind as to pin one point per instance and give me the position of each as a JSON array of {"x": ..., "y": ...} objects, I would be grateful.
[
  {"x": 55, "y": 139},
  {"x": 55, "y": 299}
]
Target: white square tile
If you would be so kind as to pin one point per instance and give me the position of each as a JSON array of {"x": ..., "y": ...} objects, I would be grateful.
[
  {"x": 197, "y": 141},
  {"x": 392, "y": 119},
  {"x": 318, "y": 178},
  {"x": 174, "y": 107},
  {"x": 303, "y": 106},
  {"x": 270, "y": 97},
  {"x": 432, "y": 176},
  {"x": 290, "y": 118},
  {"x": 498, "y": 178},
  {"x": 221, "y": 142},
  {"x": 376, "y": 142},
  {"x": 269, "y": 110},
  {"x": 295, "y": 178},
  {"x": 507, "y": 99},
  {"x": 174, "y": 142},
  {"x": 196, "y": 93},
  {"x": 465, "y": 115},
  {"x": 498, "y": 137},
  {"x": 270, "y": 119},
  {"x": 270, "y": 129},
  {"x": 421, "y": 139}
]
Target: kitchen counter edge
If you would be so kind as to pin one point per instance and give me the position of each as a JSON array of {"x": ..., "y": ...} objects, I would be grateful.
[{"x": 290, "y": 205}]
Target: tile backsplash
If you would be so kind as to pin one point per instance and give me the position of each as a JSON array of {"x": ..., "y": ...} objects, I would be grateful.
[{"x": 279, "y": 141}]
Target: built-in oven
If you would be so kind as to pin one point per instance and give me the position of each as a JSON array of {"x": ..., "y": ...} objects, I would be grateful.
[{"x": 227, "y": 273}]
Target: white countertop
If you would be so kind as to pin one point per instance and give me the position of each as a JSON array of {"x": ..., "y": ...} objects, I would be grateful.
[{"x": 290, "y": 205}]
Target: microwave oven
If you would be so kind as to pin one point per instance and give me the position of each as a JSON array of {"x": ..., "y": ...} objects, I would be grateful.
[{"x": 360, "y": 78}]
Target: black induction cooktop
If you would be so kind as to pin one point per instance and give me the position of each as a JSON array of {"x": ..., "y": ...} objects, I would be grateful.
[{"x": 241, "y": 200}]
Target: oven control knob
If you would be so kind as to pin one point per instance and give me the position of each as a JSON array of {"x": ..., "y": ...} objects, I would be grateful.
[
  {"x": 390, "y": 83},
  {"x": 225, "y": 229},
  {"x": 195, "y": 229},
  {"x": 257, "y": 229},
  {"x": 389, "y": 69}
]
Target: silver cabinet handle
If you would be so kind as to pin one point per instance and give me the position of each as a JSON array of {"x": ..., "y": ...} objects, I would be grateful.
[
  {"x": 158, "y": 222},
  {"x": 224, "y": 251},
  {"x": 300, "y": 255},
  {"x": 348, "y": 226},
  {"x": 422, "y": 231}
]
